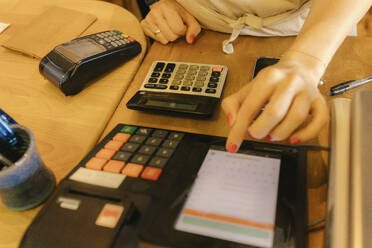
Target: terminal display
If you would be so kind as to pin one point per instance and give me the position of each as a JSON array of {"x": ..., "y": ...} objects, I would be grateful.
[{"x": 233, "y": 198}]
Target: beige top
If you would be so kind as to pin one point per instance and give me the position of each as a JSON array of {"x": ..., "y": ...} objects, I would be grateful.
[{"x": 249, "y": 17}]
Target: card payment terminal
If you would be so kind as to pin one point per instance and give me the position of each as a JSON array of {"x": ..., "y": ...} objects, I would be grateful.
[{"x": 71, "y": 65}]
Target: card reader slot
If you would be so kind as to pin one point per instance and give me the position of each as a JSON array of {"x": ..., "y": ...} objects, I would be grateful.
[
  {"x": 52, "y": 72},
  {"x": 60, "y": 61}
]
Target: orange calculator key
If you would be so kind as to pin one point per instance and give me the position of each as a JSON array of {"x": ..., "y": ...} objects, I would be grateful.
[
  {"x": 114, "y": 166},
  {"x": 105, "y": 154},
  {"x": 132, "y": 170},
  {"x": 151, "y": 173},
  {"x": 96, "y": 163},
  {"x": 217, "y": 68},
  {"x": 114, "y": 145},
  {"x": 122, "y": 137}
]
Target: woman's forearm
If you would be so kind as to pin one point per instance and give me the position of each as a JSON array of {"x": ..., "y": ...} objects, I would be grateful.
[{"x": 327, "y": 25}]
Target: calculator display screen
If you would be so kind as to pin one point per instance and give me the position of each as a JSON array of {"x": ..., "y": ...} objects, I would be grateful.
[
  {"x": 84, "y": 48},
  {"x": 234, "y": 198},
  {"x": 173, "y": 105}
]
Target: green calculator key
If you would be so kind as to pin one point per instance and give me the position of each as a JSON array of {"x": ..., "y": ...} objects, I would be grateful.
[{"x": 128, "y": 129}]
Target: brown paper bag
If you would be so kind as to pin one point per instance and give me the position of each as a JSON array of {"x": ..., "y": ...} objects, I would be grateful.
[{"x": 53, "y": 27}]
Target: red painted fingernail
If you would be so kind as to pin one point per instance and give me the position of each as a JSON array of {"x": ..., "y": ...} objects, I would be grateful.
[
  {"x": 269, "y": 138},
  {"x": 229, "y": 119},
  {"x": 192, "y": 38},
  {"x": 249, "y": 134},
  {"x": 294, "y": 141},
  {"x": 231, "y": 147}
]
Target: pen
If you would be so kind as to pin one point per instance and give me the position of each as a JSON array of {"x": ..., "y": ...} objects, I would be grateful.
[
  {"x": 6, "y": 117},
  {"x": 7, "y": 135},
  {"x": 342, "y": 87}
]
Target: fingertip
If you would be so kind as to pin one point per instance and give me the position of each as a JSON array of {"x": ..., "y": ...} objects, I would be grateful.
[
  {"x": 231, "y": 147},
  {"x": 192, "y": 32},
  {"x": 294, "y": 140},
  {"x": 191, "y": 38},
  {"x": 234, "y": 140}
]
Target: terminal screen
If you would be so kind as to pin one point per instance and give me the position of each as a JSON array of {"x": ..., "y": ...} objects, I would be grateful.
[
  {"x": 84, "y": 48},
  {"x": 233, "y": 198}
]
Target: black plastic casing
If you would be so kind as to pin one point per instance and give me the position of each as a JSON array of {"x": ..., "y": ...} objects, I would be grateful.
[
  {"x": 205, "y": 105},
  {"x": 157, "y": 204}
]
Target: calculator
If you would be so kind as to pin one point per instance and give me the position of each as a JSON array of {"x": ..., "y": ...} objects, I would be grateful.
[
  {"x": 133, "y": 185},
  {"x": 73, "y": 64},
  {"x": 181, "y": 88}
]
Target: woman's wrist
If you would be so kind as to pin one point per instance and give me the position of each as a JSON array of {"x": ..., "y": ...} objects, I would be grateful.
[{"x": 312, "y": 65}]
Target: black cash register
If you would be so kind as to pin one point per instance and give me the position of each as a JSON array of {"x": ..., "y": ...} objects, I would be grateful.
[{"x": 174, "y": 189}]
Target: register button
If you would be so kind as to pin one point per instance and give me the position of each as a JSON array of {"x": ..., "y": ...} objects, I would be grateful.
[{"x": 109, "y": 215}]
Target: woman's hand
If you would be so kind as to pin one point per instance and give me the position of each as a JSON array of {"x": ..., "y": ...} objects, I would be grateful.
[
  {"x": 167, "y": 21},
  {"x": 288, "y": 91}
]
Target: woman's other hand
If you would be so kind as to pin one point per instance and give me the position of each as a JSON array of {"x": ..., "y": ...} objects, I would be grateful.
[
  {"x": 167, "y": 21},
  {"x": 288, "y": 91}
]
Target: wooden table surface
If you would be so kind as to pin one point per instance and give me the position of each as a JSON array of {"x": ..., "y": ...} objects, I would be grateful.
[
  {"x": 65, "y": 128},
  {"x": 352, "y": 61}
]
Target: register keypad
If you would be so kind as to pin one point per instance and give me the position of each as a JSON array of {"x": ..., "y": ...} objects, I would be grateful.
[{"x": 137, "y": 152}]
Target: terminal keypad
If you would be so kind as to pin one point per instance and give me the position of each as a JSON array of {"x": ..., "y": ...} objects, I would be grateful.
[
  {"x": 136, "y": 152},
  {"x": 112, "y": 39}
]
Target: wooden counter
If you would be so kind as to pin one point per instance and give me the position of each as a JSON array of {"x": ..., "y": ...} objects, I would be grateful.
[{"x": 65, "y": 128}]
